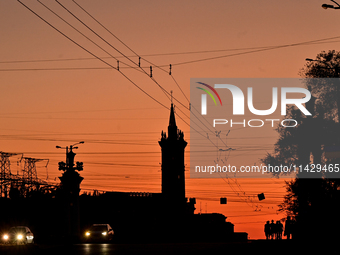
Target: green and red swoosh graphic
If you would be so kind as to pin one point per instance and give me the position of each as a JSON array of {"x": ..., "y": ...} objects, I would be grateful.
[{"x": 212, "y": 89}]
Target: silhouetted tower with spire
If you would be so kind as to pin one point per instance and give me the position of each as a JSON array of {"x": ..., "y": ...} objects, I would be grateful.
[{"x": 173, "y": 178}]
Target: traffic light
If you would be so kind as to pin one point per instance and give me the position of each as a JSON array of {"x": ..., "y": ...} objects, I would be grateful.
[
  {"x": 62, "y": 166},
  {"x": 79, "y": 166}
]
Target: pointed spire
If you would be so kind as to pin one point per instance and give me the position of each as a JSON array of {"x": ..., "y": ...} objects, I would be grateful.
[
  {"x": 172, "y": 129},
  {"x": 172, "y": 120}
]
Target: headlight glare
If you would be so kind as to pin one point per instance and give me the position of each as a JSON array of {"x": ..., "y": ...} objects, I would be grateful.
[
  {"x": 87, "y": 233},
  {"x": 104, "y": 233},
  {"x": 19, "y": 236},
  {"x": 5, "y": 237}
]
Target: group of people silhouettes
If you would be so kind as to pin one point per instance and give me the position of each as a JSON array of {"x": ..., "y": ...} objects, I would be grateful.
[{"x": 274, "y": 230}]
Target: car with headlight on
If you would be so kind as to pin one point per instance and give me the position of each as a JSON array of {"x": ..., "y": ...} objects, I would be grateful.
[
  {"x": 99, "y": 232},
  {"x": 18, "y": 235}
]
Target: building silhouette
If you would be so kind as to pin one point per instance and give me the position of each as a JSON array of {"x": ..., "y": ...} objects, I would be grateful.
[
  {"x": 173, "y": 167},
  {"x": 166, "y": 216}
]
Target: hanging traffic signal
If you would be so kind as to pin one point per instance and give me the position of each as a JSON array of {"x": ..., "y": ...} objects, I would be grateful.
[
  {"x": 223, "y": 200},
  {"x": 261, "y": 196},
  {"x": 62, "y": 166},
  {"x": 79, "y": 166}
]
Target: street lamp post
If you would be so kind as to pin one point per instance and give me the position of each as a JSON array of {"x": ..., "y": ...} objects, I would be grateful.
[
  {"x": 326, "y": 6},
  {"x": 70, "y": 187},
  {"x": 69, "y": 165}
]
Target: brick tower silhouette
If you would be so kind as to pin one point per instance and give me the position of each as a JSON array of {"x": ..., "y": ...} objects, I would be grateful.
[{"x": 173, "y": 177}]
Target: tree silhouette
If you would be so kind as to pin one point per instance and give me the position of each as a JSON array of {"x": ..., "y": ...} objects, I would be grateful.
[
  {"x": 313, "y": 199},
  {"x": 325, "y": 65}
]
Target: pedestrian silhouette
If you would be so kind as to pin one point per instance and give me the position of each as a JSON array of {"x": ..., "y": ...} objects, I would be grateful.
[
  {"x": 267, "y": 230},
  {"x": 288, "y": 228},
  {"x": 272, "y": 230},
  {"x": 279, "y": 230}
]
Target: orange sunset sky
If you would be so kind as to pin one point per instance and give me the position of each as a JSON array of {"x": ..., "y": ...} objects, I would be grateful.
[{"x": 53, "y": 92}]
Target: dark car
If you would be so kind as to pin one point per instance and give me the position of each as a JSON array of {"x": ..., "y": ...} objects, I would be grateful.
[
  {"x": 99, "y": 232},
  {"x": 18, "y": 234}
]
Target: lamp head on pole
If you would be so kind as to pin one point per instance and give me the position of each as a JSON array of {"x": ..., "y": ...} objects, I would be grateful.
[{"x": 326, "y": 6}]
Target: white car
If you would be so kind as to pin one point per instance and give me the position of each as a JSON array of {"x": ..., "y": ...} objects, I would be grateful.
[{"x": 18, "y": 234}]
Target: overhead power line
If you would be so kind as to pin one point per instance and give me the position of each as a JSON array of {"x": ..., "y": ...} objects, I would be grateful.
[
  {"x": 167, "y": 93},
  {"x": 130, "y": 60},
  {"x": 320, "y": 41},
  {"x": 104, "y": 27},
  {"x": 79, "y": 32},
  {"x": 94, "y": 32},
  {"x": 91, "y": 53}
]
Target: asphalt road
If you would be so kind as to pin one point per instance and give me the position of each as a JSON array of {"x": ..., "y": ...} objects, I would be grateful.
[{"x": 265, "y": 247}]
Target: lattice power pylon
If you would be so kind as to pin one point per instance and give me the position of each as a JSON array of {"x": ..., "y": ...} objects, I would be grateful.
[
  {"x": 5, "y": 173},
  {"x": 30, "y": 181}
]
